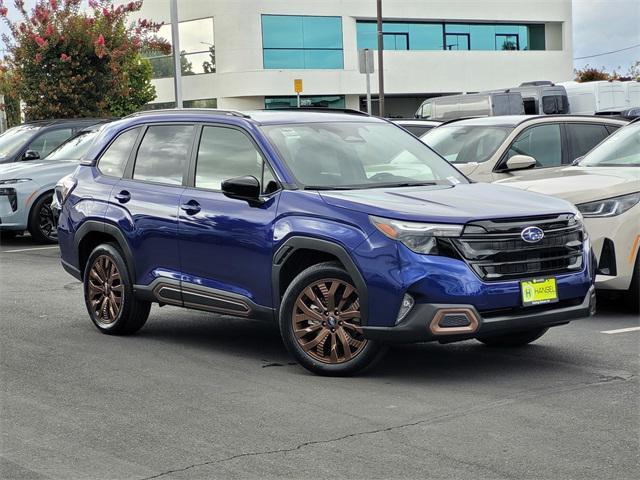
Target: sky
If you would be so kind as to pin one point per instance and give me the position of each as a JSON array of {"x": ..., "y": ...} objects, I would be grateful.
[{"x": 599, "y": 26}]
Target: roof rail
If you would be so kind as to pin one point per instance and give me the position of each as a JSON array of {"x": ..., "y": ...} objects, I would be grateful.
[
  {"x": 350, "y": 111},
  {"x": 177, "y": 111}
]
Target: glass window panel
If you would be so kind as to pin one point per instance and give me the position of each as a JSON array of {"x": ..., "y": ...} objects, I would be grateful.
[
  {"x": 225, "y": 153},
  {"x": 583, "y": 137},
  {"x": 536, "y": 37},
  {"x": 542, "y": 143},
  {"x": 507, "y": 42},
  {"x": 49, "y": 140},
  {"x": 283, "y": 58},
  {"x": 115, "y": 158},
  {"x": 196, "y": 35},
  {"x": 323, "y": 59},
  {"x": 523, "y": 33},
  {"x": 394, "y": 27},
  {"x": 457, "y": 28},
  {"x": 483, "y": 37},
  {"x": 321, "y": 32},
  {"x": 457, "y": 42},
  {"x": 328, "y": 101},
  {"x": 282, "y": 31},
  {"x": 367, "y": 35},
  {"x": 424, "y": 36},
  {"x": 201, "y": 103},
  {"x": 196, "y": 63},
  {"x": 162, "y": 155}
]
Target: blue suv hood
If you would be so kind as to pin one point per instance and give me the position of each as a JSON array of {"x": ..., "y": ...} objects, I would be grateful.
[{"x": 453, "y": 204}]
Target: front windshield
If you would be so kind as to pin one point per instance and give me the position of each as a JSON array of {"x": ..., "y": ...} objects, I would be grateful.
[
  {"x": 14, "y": 138},
  {"x": 358, "y": 155},
  {"x": 622, "y": 149},
  {"x": 466, "y": 143},
  {"x": 75, "y": 147}
]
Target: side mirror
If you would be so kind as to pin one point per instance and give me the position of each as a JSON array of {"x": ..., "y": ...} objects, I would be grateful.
[
  {"x": 243, "y": 188},
  {"x": 577, "y": 160},
  {"x": 520, "y": 162},
  {"x": 31, "y": 155}
]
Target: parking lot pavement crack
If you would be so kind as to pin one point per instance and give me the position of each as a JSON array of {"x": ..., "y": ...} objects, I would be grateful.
[{"x": 526, "y": 395}]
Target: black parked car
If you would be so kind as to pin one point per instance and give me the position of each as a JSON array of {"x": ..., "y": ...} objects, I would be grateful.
[{"x": 34, "y": 140}]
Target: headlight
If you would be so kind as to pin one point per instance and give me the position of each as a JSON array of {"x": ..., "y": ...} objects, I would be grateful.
[
  {"x": 14, "y": 180},
  {"x": 419, "y": 237},
  {"x": 609, "y": 207}
]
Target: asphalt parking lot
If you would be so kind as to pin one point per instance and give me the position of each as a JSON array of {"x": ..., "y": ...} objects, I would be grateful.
[{"x": 194, "y": 395}]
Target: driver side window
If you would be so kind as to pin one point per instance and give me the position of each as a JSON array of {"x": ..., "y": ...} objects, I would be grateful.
[
  {"x": 50, "y": 140},
  {"x": 542, "y": 142},
  {"x": 226, "y": 153}
]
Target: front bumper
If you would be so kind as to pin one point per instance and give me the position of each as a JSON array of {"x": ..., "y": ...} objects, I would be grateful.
[
  {"x": 424, "y": 322},
  {"x": 622, "y": 232}
]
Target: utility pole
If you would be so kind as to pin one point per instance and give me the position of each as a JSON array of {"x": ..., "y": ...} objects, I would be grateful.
[
  {"x": 175, "y": 41},
  {"x": 380, "y": 64}
]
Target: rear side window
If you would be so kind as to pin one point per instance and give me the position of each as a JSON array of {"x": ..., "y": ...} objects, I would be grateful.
[
  {"x": 226, "y": 153},
  {"x": 555, "y": 104},
  {"x": 417, "y": 130},
  {"x": 50, "y": 140},
  {"x": 542, "y": 142},
  {"x": 163, "y": 154},
  {"x": 114, "y": 159},
  {"x": 583, "y": 137}
]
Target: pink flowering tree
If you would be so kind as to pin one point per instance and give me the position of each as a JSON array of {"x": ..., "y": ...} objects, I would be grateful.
[{"x": 69, "y": 62}]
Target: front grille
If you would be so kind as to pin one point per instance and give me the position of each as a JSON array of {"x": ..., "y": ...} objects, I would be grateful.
[{"x": 495, "y": 250}]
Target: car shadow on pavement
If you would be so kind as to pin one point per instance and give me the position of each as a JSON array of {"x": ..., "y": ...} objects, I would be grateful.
[{"x": 261, "y": 342}]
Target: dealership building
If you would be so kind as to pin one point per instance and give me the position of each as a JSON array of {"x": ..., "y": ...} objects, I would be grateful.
[{"x": 246, "y": 54}]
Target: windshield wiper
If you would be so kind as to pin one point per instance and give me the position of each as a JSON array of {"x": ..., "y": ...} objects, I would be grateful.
[
  {"x": 329, "y": 187},
  {"x": 403, "y": 184}
]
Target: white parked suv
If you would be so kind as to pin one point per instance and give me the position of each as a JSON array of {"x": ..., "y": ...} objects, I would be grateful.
[
  {"x": 605, "y": 186},
  {"x": 494, "y": 148}
]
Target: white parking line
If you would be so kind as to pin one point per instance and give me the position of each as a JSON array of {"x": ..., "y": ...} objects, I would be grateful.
[
  {"x": 29, "y": 249},
  {"x": 622, "y": 330}
]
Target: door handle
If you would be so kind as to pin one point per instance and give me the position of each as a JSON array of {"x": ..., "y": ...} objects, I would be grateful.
[
  {"x": 123, "y": 196},
  {"x": 191, "y": 207}
]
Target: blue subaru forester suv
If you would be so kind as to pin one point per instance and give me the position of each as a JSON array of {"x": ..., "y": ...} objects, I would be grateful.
[{"x": 344, "y": 229}]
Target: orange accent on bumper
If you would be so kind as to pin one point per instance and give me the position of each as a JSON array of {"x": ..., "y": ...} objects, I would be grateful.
[{"x": 634, "y": 247}]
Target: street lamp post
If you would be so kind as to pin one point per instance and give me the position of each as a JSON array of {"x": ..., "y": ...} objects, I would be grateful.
[{"x": 380, "y": 64}]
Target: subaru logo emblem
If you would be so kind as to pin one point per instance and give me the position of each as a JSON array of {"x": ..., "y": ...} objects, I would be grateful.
[{"x": 532, "y": 234}]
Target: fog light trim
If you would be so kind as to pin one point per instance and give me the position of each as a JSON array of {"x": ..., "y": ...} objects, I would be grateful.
[{"x": 405, "y": 307}]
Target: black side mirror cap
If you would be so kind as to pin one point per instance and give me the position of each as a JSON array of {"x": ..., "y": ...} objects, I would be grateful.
[
  {"x": 243, "y": 188},
  {"x": 31, "y": 155}
]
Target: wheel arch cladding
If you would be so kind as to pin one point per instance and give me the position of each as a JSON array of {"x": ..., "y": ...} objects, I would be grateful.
[
  {"x": 298, "y": 253},
  {"x": 92, "y": 233}
]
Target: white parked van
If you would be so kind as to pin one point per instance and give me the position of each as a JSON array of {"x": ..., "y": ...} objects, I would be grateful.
[
  {"x": 486, "y": 104},
  {"x": 603, "y": 96}
]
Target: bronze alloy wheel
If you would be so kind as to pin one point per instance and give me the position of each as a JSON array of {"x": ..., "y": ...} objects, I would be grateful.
[
  {"x": 105, "y": 290},
  {"x": 46, "y": 222},
  {"x": 326, "y": 321}
]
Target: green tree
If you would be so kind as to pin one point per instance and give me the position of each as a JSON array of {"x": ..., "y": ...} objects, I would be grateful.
[
  {"x": 11, "y": 103},
  {"x": 68, "y": 62}
]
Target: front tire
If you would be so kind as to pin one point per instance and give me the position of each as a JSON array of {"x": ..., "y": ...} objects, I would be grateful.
[
  {"x": 41, "y": 223},
  {"x": 108, "y": 293},
  {"x": 632, "y": 295},
  {"x": 516, "y": 339},
  {"x": 320, "y": 323}
]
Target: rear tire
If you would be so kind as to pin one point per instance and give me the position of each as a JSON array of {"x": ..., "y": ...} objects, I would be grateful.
[
  {"x": 320, "y": 323},
  {"x": 108, "y": 293},
  {"x": 41, "y": 223},
  {"x": 516, "y": 339}
]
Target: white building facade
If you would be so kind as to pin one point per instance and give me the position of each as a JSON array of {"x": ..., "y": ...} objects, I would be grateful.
[{"x": 245, "y": 54}]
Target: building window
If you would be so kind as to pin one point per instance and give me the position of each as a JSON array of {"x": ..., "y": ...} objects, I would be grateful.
[
  {"x": 197, "y": 50},
  {"x": 200, "y": 103},
  {"x": 321, "y": 101},
  {"x": 452, "y": 36},
  {"x": 297, "y": 42}
]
